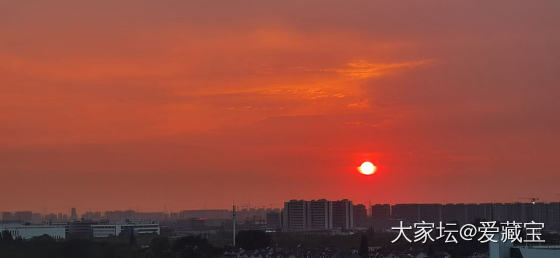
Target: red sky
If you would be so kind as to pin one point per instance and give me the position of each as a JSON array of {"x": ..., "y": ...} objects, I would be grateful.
[{"x": 196, "y": 104}]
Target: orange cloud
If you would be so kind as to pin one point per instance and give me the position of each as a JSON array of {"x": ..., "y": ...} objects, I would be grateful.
[{"x": 362, "y": 69}]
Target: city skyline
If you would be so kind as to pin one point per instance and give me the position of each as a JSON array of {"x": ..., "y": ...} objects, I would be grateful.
[
  {"x": 241, "y": 207},
  {"x": 319, "y": 215},
  {"x": 185, "y": 104}
]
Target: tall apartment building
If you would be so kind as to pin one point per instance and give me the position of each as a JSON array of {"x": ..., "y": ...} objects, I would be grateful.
[
  {"x": 342, "y": 215},
  {"x": 7, "y": 217},
  {"x": 429, "y": 212},
  {"x": 554, "y": 215},
  {"x": 360, "y": 216},
  {"x": 380, "y": 212},
  {"x": 295, "y": 216},
  {"x": 318, "y": 215},
  {"x": 454, "y": 213},
  {"x": 407, "y": 212},
  {"x": 273, "y": 220},
  {"x": 73, "y": 214}
]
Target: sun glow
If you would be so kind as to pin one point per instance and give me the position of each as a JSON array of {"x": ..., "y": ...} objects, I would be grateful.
[{"x": 367, "y": 168}]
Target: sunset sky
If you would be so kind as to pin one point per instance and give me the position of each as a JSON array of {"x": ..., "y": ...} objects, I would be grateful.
[{"x": 170, "y": 105}]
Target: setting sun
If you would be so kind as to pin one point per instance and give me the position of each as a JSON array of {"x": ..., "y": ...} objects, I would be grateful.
[{"x": 367, "y": 168}]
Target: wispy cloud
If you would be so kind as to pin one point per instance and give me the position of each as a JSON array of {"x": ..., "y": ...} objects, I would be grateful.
[{"x": 362, "y": 69}]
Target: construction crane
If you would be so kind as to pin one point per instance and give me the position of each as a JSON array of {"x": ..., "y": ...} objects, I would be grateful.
[{"x": 532, "y": 199}]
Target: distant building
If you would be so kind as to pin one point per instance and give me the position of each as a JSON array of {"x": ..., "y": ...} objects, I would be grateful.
[
  {"x": 142, "y": 229},
  {"x": 454, "y": 213},
  {"x": 7, "y": 217},
  {"x": 80, "y": 229},
  {"x": 499, "y": 212},
  {"x": 429, "y": 212},
  {"x": 90, "y": 215},
  {"x": 380, "y": 217},
  {"x": 273, "y": 220},
  {"x": 553, "y": 211},
  {"x": 73, "y": 214},
  {"x": 318, "y": 215},
  {"x": 120, "y": 216},
  {"x": 23, "y": 216},
  {"x": 130, "y": 215},
  {"x": 208, "y": 214},
  {"x": 104, "y": 231},
  {"x": 380, "y": 212},
  {"x": 36, "y": 218},
  {"x": 407, "y": 212},
  {"x": 17, "y": 217},
  {"x": 253, "y": 216},
  {"x": 476, "y": 212},
  {"x": 360, "y": 216},
  {"x": 295, "y": 216},
  {"x": 62, "y": 217},
  {"x": 49, "y": 218},
  {"x": 342, "y": 215},
  {"x": 31, "y": 231},
  {"x": 517, "y": 211}
]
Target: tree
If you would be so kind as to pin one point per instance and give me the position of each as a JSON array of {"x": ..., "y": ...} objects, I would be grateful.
[
  {"x": 253, "y": 239},
  {"x": 6, "y": 236},
  {"x": 160, "y": 245},
  {"x": 194, "y": 246}
]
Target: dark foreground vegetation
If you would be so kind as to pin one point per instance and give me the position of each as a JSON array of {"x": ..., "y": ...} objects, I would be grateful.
[
  {"x": 194, "y": 246},
  {"x": 158, "y": 247}
]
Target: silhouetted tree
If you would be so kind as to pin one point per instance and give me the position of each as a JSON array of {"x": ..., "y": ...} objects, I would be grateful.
[
  {"x": 252, "y": 239},
  {"x": 6, "y": 236},
  {"x": 160, "y": 246},
  {"x": 194, "y": 246}
]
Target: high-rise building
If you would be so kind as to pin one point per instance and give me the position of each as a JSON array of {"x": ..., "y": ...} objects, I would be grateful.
[
  {"x": 499, "y": 212},
  {"x": 488, "y": 210},
  {"x": 51, "y": 217},
  {"x": 380, "y": 212},
  {"x": 318, "y": 215},
  {"x": 73, "y": 214},
  {"x": 7, "y": 217},
  {"x": 360, "y": 216},
  {"x": 516, "y": 211},
  {"x": 380, "y": 217},
  {"x": 295, "y": 216},
  {"x": 273, "y": 220},
  {"x": 454, "y": 213},
  {"x": 429, "y": 212},
  {"x": 554, "y": 215},
  {"x": 342, "y": 215},
  {"x": 23, "y": 216},
  {"x": 407, "y": 212},
  {"x": 475, "y": 212}
]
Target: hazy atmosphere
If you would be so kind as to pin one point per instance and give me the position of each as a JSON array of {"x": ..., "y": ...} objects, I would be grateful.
[{"x": 169, "y": 105}]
